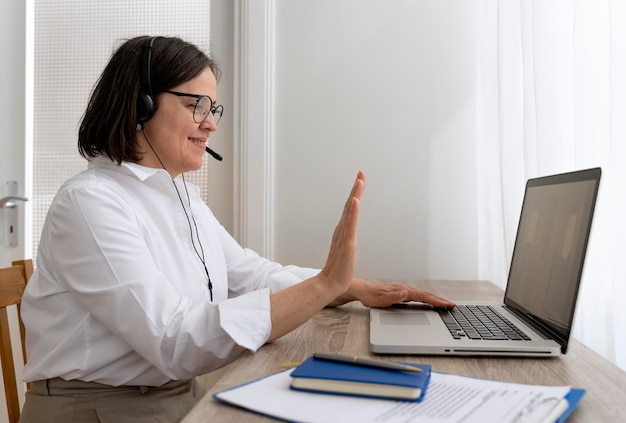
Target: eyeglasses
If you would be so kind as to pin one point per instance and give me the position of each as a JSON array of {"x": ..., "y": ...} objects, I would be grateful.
[{"x": 204, "y": 106}]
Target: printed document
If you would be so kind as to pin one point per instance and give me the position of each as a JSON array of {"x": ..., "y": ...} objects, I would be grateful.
[{"x": 449, "y": 398}]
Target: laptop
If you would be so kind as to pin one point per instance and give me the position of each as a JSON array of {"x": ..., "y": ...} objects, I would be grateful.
[{"x": 540, "y": 299}]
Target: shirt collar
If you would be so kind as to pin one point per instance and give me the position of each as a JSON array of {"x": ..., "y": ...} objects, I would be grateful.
[{"x": 141, "y": 172}]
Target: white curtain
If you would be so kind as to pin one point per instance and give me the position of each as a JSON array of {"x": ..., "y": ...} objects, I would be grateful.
[{"x": 552, "y": 98}]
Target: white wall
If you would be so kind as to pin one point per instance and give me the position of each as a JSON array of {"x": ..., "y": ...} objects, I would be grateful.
[
  {"x": 12, "y": 146},
  {"x": 387, "y": 87},
  {"x": 221, "y": 180},
  {"x": 12, "y": 104}
]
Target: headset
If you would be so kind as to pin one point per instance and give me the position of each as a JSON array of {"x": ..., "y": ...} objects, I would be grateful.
[{"x": 145, "y": 98}]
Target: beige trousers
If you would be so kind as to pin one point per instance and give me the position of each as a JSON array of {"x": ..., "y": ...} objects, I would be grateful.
[{"x": 60, "y": 401}]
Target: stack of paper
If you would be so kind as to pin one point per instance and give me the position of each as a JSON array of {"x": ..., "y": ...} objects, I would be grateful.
[{"x": 450, "y": 398}]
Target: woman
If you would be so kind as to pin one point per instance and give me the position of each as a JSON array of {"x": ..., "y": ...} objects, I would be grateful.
[{"x": 137, "y": 287}]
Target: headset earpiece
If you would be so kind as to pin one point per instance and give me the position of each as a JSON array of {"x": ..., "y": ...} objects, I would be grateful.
[{"x": 145, "y": 99}]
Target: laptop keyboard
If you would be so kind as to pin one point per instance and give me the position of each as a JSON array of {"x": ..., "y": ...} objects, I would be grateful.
[{"x": 480, "y": 322}]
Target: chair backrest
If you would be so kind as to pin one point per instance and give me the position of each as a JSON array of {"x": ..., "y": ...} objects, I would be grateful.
[{"x": 12, "y": 283}]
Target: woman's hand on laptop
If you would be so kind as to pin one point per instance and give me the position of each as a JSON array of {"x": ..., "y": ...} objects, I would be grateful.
[{"x": 379, "y": 294}]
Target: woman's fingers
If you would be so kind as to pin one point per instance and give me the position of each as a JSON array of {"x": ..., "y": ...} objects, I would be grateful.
[{"x": 339, "y": 268}]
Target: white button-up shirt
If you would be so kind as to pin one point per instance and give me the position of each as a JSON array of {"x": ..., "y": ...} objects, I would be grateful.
[{"x": 120, "y": 295}]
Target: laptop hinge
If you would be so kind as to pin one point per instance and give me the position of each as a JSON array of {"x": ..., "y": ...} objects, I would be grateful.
[{"x": 536, "y": 323}]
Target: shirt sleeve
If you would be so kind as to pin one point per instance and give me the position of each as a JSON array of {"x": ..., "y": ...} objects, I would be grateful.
[
  {"x": 247, "y": 271},
  {"x": 252, "y": 331},
  {"x": 246, "y": 315}
]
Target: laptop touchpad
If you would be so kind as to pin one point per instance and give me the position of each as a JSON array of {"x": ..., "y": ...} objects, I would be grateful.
[{"x": 412, "y": 319}]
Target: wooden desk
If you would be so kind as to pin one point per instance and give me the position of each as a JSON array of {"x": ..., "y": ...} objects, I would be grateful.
[{"x": 345, "y": 330}]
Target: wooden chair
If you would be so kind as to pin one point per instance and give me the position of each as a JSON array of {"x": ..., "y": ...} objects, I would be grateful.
[{"x": 12, "y": 283}]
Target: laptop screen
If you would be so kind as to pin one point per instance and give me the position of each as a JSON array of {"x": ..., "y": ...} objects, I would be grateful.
[{"x": 549, "y": 250}]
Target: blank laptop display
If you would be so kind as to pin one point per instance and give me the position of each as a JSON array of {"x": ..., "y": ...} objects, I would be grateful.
[{"x": 535, "y": 318}]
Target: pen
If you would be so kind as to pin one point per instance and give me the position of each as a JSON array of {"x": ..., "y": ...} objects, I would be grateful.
[{"x": 358, "y": 361}]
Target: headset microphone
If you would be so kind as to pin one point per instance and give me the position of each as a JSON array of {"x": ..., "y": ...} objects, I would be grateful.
[{"x": 213, "y": 154}]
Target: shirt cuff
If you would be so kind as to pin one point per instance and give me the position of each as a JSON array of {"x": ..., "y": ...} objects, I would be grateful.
[{"x": 247, "y": 318}]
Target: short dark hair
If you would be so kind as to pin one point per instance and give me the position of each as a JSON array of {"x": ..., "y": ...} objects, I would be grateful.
[{"x": 109, "y": 125}]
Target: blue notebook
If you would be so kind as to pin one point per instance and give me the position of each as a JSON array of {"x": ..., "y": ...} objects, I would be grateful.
[{"x": 323, "y": 376}]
